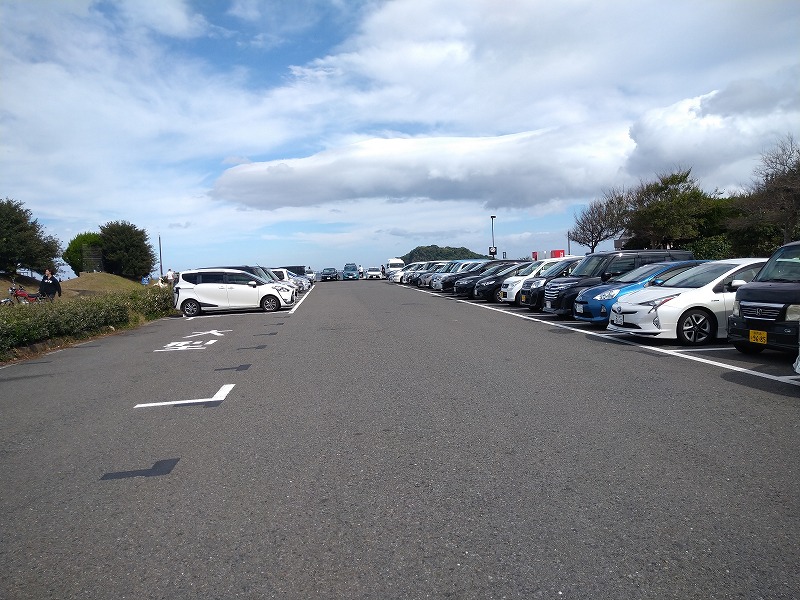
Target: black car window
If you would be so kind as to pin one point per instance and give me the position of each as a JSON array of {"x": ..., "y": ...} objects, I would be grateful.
[
  {"x": 189, "y": 278},
  {"x": 212, "y": 277},
  {"x": 240, "y": 278},
  {"x": 590, "y": 266},
  {"x": 621, "y": 264},
  {"x": 638, "y": 274},
  {"x": 652, "y": 257}
]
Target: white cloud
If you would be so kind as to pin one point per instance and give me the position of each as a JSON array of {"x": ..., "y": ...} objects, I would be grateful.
[{"x": 137, "y": 110}]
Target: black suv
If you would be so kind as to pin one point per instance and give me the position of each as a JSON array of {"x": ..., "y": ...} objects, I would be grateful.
[
  {"x": 532, "y": 292},
  {"x": 594, "y": 269},
  {"x": 766, "y": 311}
]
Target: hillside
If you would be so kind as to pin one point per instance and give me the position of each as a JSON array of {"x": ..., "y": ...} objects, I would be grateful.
[{"x": 88, "y": 284}]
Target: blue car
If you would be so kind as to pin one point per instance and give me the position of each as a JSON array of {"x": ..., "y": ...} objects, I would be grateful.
[{"x": 593, "y": 304}]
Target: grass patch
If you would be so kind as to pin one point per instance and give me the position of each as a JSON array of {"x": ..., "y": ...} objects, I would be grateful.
[{"x": 92, "y": 310}]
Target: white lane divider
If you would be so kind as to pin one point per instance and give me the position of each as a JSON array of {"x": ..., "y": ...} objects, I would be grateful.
[{"x": 218, "y": 397}]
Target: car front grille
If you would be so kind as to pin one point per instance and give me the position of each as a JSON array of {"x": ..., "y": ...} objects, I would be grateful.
[
  {"x": 765, "y": 312},
  {"x": 551, "y": 290}
]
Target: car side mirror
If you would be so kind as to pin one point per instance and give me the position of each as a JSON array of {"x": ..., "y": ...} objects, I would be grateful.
[
  {"x": 655, "y": 282},
  {"x": 605, "y": 276},
  {"x": 736, "y": 284},
  {"x": 252, "y": 283}
]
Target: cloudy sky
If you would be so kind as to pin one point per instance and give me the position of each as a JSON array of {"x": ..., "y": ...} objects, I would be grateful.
[{"x": 326, "y": 131}]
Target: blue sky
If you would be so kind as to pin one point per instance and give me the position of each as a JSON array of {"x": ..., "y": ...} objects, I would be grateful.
[{"x": 323, "y": 132}]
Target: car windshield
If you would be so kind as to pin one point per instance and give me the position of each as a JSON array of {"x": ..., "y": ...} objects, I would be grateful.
[
  {"x": 530, "y": 268},
  {"x": 784, "y": 266},
  {"x": 494, "y": 269},
  {"x": 555, "y": 268},
  {"x": 509, "y": 270},
  {"x": 589, "y": 266},
  {"x": 473, "y": 267},
  {"x": 699, "y": 276},
  {"x": 638, "y": 274},
  {"x": 261, "y": 273}
]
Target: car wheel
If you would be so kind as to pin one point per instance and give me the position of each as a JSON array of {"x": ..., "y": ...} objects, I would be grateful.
[
  {"x": 696, "y": 327},
  {"x": 270, "y": 304},
  {"x": 190, "y": 308},
  {"x": 516, "y": 300},
  {"x": 497, "y": 295},
  {"x": 748, "y": 348}
]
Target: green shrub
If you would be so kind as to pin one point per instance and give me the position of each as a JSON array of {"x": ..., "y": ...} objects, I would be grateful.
[{"x": 26, "y": 324}]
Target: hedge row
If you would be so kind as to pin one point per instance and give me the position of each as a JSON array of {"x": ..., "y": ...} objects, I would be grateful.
[{"x": 25, "y": 324}]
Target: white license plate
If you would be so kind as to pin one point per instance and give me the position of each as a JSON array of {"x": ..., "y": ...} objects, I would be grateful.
[
  {"x": 579, "y": 308},
  {"x": 617, "y": 319},
  {"x": 547, "y": 303}
]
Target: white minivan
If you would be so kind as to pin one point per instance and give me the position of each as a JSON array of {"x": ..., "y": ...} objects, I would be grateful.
[{"x": 227, "y": 289}]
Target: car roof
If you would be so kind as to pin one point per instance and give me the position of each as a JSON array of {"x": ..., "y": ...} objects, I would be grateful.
[{"x": 224, "y": 269}]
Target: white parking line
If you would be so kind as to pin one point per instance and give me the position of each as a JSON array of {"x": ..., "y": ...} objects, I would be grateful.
[
  {"x": 303, "y": 299},
  {"x": 218, "y": 397},
  {"x": 622, "y": 338}
]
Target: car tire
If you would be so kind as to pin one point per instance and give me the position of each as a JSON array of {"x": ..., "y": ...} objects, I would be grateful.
[
  {"x": 748, "y": 348},
  {"x": 696, "y": 327},
  {"x": 270, "y": 304},
  {"x": 190, "y": 308}
]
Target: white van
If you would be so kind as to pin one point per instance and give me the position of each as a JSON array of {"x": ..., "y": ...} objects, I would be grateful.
[{"x": 392, "y": 264}]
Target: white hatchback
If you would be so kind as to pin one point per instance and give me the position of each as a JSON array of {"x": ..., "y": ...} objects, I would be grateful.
[
  {"x": 692, "y": 307},
  {"x": 509, "y": 291},
  {"x": 227, "y": 289}
]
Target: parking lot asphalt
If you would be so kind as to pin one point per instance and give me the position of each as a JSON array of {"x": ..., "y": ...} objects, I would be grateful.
[{"x": 381, "y": 442}]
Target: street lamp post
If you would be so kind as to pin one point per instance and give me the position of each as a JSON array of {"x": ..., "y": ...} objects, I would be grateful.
[{"x": 493, "y": 249}]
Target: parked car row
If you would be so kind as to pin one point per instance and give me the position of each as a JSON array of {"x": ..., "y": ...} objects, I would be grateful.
[
  {"x": 350, "y": 271},
  {"x": 239, "y": 287},
  {"x": 655, "y": 293}
]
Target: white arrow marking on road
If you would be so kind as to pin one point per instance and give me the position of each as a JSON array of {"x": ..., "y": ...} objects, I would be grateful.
[{"x": 218, "y": 397}]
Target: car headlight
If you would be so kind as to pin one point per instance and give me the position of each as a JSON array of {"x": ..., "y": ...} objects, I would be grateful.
[
  {"x": 537, "y": 283},
  {"x": 657, "y": 302},
  {"x": 793, "y": 312},
  {"x": 282, "y": 288},
  {"x": 607, "y": 295}
]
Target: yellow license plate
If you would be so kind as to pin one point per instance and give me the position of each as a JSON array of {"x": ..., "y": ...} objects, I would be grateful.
[
  {"x": 758, "y": 337},
  {"x": 523, "y": 298}
]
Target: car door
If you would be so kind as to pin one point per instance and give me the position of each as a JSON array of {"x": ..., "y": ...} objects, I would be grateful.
[
  {"x": 211, "y": 291},
  {"x": 241, "y": 291},
  {"x": 727, "y": 295}
]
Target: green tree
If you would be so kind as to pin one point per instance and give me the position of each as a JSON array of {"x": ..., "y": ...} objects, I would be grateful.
[
  {"x": 73, "y": 255},
  {"x": 23, "y": 242},
  {"x": 126, "y": 250},
  {"x": 667, "y": 212}
]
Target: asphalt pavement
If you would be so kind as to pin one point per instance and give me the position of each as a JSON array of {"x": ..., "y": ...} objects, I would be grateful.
[{"x": 381, "y": 442}]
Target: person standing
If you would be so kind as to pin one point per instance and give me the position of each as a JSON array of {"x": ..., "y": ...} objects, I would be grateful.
[
  {"x": 49, "y": 286},
  {"x": 360, "y": 272},
  {"x": 170, "y": 277}
]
